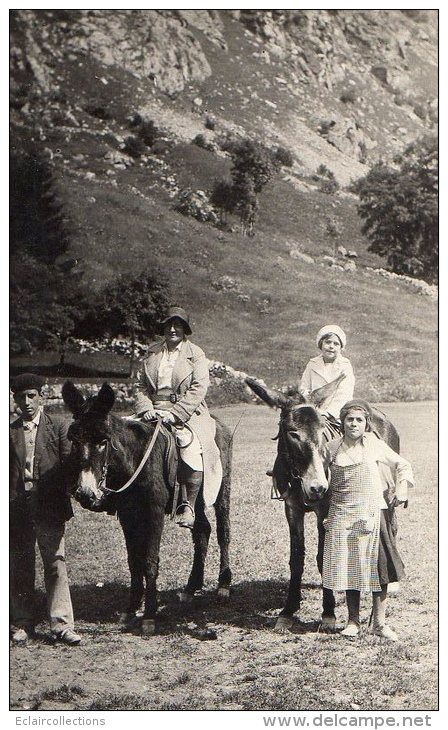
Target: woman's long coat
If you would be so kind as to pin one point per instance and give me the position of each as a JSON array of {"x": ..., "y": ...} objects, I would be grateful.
[{"x": 190, "y": 382}]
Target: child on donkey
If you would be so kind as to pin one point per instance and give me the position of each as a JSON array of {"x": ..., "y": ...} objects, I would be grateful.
[
  {"x": 330, "y": 372},
  {"x": 326, "y": 368}
]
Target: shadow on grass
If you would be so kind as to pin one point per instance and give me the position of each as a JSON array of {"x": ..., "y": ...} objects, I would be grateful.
[
  {"x": 99, "y": 604},
  {"x": 252, "y": 605}
]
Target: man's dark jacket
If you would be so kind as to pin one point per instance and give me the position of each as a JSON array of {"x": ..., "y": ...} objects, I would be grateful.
[{"x": 51, "y": 472}]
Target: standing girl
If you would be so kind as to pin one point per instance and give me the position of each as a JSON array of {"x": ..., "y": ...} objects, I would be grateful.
[{"x": 360, "y": 553}]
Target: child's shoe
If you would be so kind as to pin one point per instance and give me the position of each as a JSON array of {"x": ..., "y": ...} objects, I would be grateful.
[
  {"x": 351, "y": 631},
  {"x": 385, "y": 632}
]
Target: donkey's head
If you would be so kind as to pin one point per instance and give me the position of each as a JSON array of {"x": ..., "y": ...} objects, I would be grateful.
[
  {"x": 90, "y": 434},
  {"x": 300, "y": 438}
]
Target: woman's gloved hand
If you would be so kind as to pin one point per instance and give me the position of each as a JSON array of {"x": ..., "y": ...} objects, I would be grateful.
[
  {"x": 168, "y": 419},
  {"x": 149, "y": 415}
]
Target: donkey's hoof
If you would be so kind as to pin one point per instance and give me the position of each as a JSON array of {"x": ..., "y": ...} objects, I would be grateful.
[
  {"x": 125, "y": 618},
  {"x": 223, "y": 593},
  {"x": 127, "y": 621},
  {"x": 148, "y": 627},
  {"x": 185, "y": 597},
  {"x": 328, "y": 623},
  {"x": 283, "y": 624}
]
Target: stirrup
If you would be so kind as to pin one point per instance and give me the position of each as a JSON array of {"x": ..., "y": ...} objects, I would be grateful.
[{"x": 179, "y": 517}]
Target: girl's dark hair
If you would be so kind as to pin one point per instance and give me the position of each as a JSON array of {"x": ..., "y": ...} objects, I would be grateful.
[{"x": 359, "y": 405}]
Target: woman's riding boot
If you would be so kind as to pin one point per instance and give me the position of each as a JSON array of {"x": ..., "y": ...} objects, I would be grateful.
[{"x": 193, "y": 482}]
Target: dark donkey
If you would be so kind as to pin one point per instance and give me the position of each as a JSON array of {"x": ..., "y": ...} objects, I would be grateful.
[
  {"x": 107, "y": 448},
  {"x": 302, "y": 481}
]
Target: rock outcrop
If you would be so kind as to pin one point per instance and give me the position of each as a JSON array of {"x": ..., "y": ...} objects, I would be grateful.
[{"x": 334, "y": 86}]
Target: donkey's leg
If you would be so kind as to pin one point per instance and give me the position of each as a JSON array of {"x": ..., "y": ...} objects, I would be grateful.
[
  {"x": 201, "y": 535},
  {"x": 222, "y": 510},
  {"x": 154, "y": 527},
  {"x": 295, "y": 516},
  {"x": 328, "y": 600},
  {"x": 135, "y": 552}
]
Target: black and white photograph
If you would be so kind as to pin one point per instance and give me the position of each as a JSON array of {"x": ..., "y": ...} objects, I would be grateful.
[{"x": 223, "y": 335}]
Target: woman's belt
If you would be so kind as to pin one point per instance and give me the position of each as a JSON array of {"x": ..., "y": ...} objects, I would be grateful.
[
  {"x": 166, "y": 396},
  {"x": 164, "y": 404},
  {"x": 165, "y": 399}
]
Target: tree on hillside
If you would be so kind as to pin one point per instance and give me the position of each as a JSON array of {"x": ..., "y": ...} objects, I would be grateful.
[
  {"x": 253, "y": 166},
  {"x": 222, "y": 198},
  {"x": 246, "y": 202},
  {"x": 37, "y": 222},
  {"x": 400, "y": 210},
  {"x": 45, "y": 296},
  {"x": 129, "y": 306},
  {"x": 46, "y": 305}
]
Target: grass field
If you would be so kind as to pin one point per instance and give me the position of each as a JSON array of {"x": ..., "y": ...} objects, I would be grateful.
[{"x": 248, "y": 666}]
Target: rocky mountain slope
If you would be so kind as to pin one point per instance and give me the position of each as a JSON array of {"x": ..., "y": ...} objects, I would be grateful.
[{"x": 337, "y": 88}]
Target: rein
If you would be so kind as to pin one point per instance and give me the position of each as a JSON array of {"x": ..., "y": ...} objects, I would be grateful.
[
  {"x": 102, "y": 482},
  {"x": 293, "y": 472}
]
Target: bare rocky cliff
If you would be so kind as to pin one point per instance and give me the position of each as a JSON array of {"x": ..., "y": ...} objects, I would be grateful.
[{"x": 338, "y": 87}]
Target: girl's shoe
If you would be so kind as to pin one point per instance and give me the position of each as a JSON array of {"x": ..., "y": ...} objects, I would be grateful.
[
  {"x": 351, "y": 631},
  {"x": 385, "y": 632}
]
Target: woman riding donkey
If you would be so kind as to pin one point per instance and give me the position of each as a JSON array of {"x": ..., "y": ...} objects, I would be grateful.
[
  {"x": 172, "y": 385},
  {"x": 360, "y": 552}
]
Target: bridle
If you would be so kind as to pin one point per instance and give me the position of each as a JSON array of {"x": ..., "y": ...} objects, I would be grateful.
[
  {"x": 108, "y": 443},
  {"x": 293, "y": 472}
]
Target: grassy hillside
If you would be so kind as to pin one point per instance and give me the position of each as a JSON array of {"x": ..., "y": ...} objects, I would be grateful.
[
  {"x": 253, "y": 304},
  {"x": 265, "y": 321}
]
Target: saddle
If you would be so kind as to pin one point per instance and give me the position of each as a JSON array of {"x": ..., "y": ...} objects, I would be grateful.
[{"x": 170, "y": 468}]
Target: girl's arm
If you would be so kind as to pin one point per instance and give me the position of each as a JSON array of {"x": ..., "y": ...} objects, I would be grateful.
[
  {"x": 305, "y": 383},
  {"x": 344, "y": 392},
  {"x": 404, "y": 477}
]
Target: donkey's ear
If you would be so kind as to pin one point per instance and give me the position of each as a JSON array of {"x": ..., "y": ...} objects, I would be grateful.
[
  {"x": 325, "y": 392},
  {"x": 105, "y": 399},
  {"x": 272, "y": 397},
  {"x": 72, "y": 397}
]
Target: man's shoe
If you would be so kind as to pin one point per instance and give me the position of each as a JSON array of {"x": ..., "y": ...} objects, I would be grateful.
[
  {"x": 69, "y": 637},
  {"x": 19, "y": 636},
  {"x": 385, "y": 632}
]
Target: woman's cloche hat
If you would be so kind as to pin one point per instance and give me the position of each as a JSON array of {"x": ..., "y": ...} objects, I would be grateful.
[{"x": 177, "y": 313}]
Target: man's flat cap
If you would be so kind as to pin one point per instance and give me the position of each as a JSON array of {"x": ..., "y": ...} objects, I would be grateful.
[{"x": 27, "y": 381}]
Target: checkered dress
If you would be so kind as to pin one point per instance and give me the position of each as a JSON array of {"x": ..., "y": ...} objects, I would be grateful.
[{"x": 352, "y": 531}]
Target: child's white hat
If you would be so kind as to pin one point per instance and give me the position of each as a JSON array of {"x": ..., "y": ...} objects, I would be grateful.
[{"x": 331, "y": 329}]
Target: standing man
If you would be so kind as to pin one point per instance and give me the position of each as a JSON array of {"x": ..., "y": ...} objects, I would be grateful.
[{"x": 39, "y": 508}]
